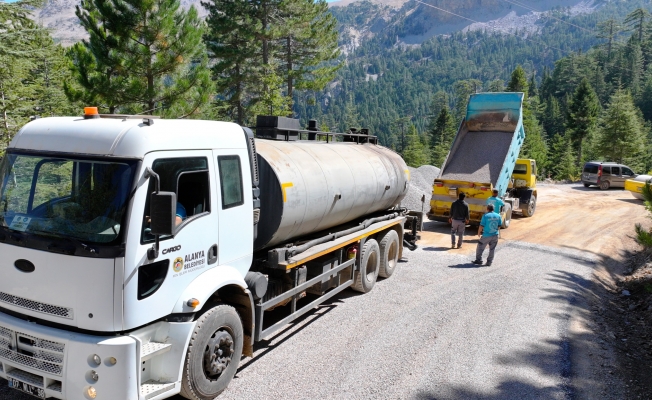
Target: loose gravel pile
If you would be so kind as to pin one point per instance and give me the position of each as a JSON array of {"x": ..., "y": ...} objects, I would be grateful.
[
  {"x": 479, "y": 157},
  {"x": 421, "y": 180}
]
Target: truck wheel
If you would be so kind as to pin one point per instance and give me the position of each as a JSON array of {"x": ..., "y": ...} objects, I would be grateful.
[
  {"x": 365, "y": 278},
  {"x": 586, "y": 185},
  {"x": 389, "y": 248},
  {"x": 508, "y": 216},
  {"x": 531, "y": 207},
  {"x": 213, "y": 354},
  {"x": 604, "y": 185}
]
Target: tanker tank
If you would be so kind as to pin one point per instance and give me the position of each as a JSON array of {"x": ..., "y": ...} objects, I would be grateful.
[{"x": 309, "y": 186}]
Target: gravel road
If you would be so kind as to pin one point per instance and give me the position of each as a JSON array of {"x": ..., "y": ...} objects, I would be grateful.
[{"x": 439, "y": 328}]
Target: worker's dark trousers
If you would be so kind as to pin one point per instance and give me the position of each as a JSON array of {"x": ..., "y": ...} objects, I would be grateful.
[{"x": 492, "y": 241}]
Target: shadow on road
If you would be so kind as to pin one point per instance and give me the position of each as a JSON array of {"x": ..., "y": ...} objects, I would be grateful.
[
  {"x": 633, "y": 201},
  {"x": 466, "y": 265}
]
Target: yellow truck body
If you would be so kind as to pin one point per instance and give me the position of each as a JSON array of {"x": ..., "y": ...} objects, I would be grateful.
[{"x": 523, "y": 182}]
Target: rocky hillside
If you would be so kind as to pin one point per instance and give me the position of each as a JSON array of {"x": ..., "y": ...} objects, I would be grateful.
[
  {"x": 413, "y": 22},
  {"x": 399, "y": 21}
]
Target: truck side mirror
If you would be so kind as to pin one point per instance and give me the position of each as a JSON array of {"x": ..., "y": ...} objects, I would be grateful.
[{"x": 163, "y": 211}]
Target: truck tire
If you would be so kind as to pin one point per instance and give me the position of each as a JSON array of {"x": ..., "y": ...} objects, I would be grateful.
[
  {"x": 365, "y": 277},
  {"x": 508, "y": 216},
  {"x": 213, "y": 354},
  {"x": 531, "y": 207},
  {"x": 389, "y": 248},
  {"x": 604, "y": 185},
  {"x": 586, "y": 185}
]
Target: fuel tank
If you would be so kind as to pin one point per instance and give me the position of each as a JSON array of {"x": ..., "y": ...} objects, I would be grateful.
[{"x": 309, "y": 186}]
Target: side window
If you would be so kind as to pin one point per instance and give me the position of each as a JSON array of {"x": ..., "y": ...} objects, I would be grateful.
[
  {"x": 606, "y": 170},
  {"x": 627, "y": 171},
  {"x": 189, "y": 179},
  {"x": 230, "y": 181},
  {"x": 534, "y": 167},
  {"x": 615, "y": 171}
]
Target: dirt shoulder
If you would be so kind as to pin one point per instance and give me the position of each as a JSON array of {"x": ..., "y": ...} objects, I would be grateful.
[{"x": 612, "y": 347}]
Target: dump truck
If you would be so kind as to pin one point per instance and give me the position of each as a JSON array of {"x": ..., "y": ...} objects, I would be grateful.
[
  {"x": 484, "y": 157},
  {"x": 141, "y": 256}
]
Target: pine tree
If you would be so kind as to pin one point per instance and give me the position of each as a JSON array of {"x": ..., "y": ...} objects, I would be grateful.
[
  {"x": 464, "y": 89},
  {"x": 552, "y": 118},
  {"x": 636, "y": 21},
  {"x": 583, "y": 112},
  {"x": 143, "y": 57},
  {"x": 497, "y": 85},
  {"x": 645, "y": 99},
  {"x": 562, "y": 161},
  {"x": 269, "y": 98},
  {"x": 308, "y": 43},
  {"x": 416, "y": 153},
  {"x": 518, "y": 81},
  {"x": 621, "y": 136},
  {"x": 608, "y": 30},
  {"x": 442, "y": 136},
  {"x": 233, "y": 51},
  {"x": 439, "y": 102},
  {"x": 32, "y": 70}
]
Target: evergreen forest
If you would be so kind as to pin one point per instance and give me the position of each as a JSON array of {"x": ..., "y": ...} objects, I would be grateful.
[{"x": 588, "y": 78}]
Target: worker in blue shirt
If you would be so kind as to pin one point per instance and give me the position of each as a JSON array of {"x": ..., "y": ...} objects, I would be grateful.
[
  {"x": 496, "y": 201},
  {"x": 488, "y": 232}
]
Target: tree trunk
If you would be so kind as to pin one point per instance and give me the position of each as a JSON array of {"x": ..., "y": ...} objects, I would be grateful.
[
  {"x": 289, "y": 66},
  {"x": 238, "y": 96},
  {"x": 265, "y": 44},
  {"x": 5, "y": 121}
]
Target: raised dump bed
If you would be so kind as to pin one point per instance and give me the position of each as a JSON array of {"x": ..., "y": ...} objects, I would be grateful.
[{"x": 483, "y": 156}]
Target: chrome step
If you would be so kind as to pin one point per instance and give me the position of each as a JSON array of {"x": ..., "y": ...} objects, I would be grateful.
[
  {"x": 151, "y": 389},
  {"x": 152, "y": 349}
]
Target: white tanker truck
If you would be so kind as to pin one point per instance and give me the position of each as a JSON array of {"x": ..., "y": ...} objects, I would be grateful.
[{"x": 140, "y": 256}]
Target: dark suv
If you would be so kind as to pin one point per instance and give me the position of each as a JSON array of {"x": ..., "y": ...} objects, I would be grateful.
[{"x": 606, "y": 174}]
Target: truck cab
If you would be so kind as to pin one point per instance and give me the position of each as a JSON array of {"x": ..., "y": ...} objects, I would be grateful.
[{"x": 77, "y": 245}]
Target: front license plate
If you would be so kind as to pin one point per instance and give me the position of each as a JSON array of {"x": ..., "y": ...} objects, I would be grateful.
[{"x": 26, "y": 388}]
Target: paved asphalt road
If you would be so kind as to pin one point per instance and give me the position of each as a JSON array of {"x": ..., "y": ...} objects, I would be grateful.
[{"x": 440, "y": 328}]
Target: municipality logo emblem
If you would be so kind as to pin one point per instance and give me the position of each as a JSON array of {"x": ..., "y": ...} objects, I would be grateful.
[{"x": 178, "y": 264}]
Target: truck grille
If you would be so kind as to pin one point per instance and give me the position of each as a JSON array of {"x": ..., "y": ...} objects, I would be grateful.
[
  {"x": 43, "y": 355},
  {"x": 36, "y": 306}
]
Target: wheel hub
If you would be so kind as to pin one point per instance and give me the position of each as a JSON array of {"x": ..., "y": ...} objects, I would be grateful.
[{"x": 218, "y": 353}]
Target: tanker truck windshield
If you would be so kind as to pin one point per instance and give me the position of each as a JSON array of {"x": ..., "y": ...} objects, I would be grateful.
[{"x": 54, "y": 197}]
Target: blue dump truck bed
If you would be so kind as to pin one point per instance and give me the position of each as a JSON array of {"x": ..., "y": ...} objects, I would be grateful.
[{"x": 488, "y": 142}]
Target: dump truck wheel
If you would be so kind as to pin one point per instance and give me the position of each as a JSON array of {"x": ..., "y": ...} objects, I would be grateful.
[
  {"x": 529, "y": 210},
  {"x": 365, "y": 277},
  {"x": 389, "y": 248},
  {"x": 213, "y": 354},
  {"x": 604, "y": 185},
  {"x": 508, "y": 216}
]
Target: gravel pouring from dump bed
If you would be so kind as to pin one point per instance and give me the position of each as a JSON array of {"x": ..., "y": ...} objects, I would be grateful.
[
  {"x": 479, "y": 157},
  {"x": 421, "y": 180}
]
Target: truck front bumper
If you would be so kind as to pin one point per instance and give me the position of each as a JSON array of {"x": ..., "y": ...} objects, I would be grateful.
[{"x": 64, "y": 365}]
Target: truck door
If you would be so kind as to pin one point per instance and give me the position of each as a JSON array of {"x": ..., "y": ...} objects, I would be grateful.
[
  {"x": 234, "y": 205},
  {"x": 152, "y": 286}
]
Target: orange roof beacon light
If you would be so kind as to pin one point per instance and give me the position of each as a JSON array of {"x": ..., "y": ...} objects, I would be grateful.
[{"x": 91, "y": 113}]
